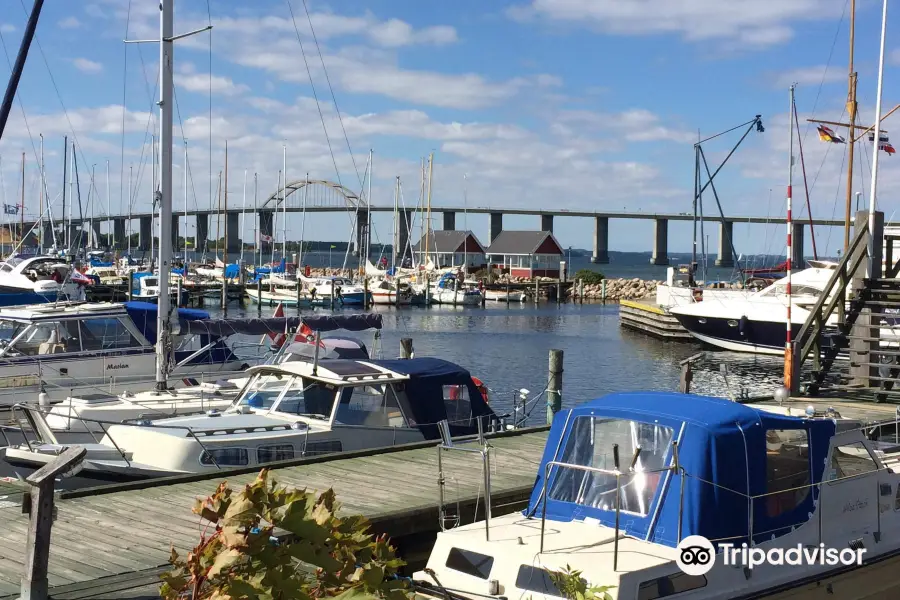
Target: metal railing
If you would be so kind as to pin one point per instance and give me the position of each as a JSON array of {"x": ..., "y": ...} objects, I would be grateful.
[{"x": 447, "y": 444}]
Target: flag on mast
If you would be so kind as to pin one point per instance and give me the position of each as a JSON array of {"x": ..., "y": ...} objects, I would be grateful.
[
  {"x": 826, "y": 134},
  {"x": 883, "y": 143}
]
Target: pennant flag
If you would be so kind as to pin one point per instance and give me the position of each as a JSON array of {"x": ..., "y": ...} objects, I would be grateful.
[
  {"x": 883, "y": 143},
  {"x": 265, "y": 238},
  {"x": 333, "y": 246},
  {"x": 826, "y": 134},
  {"x": 190, "y": 382},
  {"x": 11, "y": 209}
]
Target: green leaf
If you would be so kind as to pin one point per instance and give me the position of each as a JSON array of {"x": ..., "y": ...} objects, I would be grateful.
[
  {"x": 224, "y": 560},
  {"x": 355, "y": 593}
]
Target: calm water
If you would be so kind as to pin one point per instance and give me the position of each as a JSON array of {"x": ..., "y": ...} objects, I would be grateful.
[{"x": 508, "y": 349}]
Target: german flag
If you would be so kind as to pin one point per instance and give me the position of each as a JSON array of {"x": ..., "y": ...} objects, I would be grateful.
[{"x": 826, "y": 134}]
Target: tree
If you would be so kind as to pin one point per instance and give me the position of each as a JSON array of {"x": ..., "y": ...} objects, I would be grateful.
[
  {"x": 321, "y": 555},
  {"x": 589, "y": 277}
]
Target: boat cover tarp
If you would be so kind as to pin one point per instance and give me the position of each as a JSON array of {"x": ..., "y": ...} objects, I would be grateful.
[
  {"x": 429, "y": 379},
  {"x": 722, "y": 449},
  {"x": 323, "y": 323},
  {"x": 232, "y": 271},
  {"x": 144, "y": 316}
]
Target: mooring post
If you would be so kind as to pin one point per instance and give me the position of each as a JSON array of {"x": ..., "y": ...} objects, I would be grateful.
[
  {"x": 258, "y": 296},
  {"x": 537, "y": 290},
  {"x": 366, "y": 293},
  {"x": 130, "y": 286},
  {"x": 35, "y": 585},
  {"x": 687, "y": 373},
  {"x": 603, "y": 290},
  {"x": 224, "y": 297},
  {"x": 299, "y": 291},
  {"x": 554, "y": 384},
  {"x": 581, "y": 291},
  {"x": 332, "y": 294},
  {"x": 507, "y": 294},
  {"x": 178, "y": 291},
  {"x": 559, "y": 293},
  {"x": 406, "y": 348}
]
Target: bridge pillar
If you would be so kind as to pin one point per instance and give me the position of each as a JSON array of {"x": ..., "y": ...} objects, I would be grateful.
[
  {"x": 547, "y": 223},
  {"x": 449, "y": 221},
  {"x": 47, "y": 235},
  {"x": 726, "y": 234},
  {"x": 146, "y": 224},
  {"x": 403, "y": 233},
  {"x": 202, "y": 237},
  {"x": 233, "y": 233},
  {"x": 119, "y": 233},
  {"x": 660, "y": 242},
  {"x": 76, "y": 235},
  {"x": 266, "y": 222},
  {"x": 797, "y": 245},
  {"x": 601, "y": 241},
  {"x": 496, "y": 225},
  {"x": 176, "y": 246},
  {"x": 362, "y": 230}
]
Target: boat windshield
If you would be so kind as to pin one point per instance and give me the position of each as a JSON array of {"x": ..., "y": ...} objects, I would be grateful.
[
  {"x": 293, "y": 395},
  {"x": 590, "y": 444}
]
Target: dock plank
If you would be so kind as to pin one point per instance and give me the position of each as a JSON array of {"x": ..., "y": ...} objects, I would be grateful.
[{"x": 111, "y": 533}]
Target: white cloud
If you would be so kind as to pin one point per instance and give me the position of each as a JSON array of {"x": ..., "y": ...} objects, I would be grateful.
[
  {"x": 812, "y": 76},
  {"x": 69, "y": 22},
  {"x": 87, "y": 66},
  {"x": 739, "y": 22},
  {"x": 394, "y": 33},
  {"x": 7, "y": 28},
  {"x": 201, "y": 83},
  {"x": 633, "y": 125}
]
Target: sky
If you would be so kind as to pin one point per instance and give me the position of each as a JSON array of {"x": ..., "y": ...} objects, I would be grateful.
[{"x": 568, "y": 104}]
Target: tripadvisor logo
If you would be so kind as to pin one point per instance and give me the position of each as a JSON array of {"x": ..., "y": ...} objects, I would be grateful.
[{"x": 697, "y": 555}]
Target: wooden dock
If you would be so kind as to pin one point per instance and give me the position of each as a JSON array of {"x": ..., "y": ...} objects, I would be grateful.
[
  {"x": 647, "y": 318},
  {"x": 113, "y": 541}
]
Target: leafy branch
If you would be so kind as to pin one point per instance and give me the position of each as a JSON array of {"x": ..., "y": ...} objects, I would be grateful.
[
  {"x": 317, "y": 554},
  {"x": 573, "y": 586}
]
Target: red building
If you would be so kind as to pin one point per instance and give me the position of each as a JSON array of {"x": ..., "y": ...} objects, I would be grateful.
[
  {"x": 452, "y": 248},
  {"x": 526, "y": 253}
]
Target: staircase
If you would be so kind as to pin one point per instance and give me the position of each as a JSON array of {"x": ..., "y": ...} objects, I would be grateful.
[{"x": 850, "y": 344}]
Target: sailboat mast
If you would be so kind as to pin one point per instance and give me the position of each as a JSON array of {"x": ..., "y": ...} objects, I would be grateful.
[
  {"x": 243, "y": 211},
  {"x": 303, "y": 218},
  {"x": 184, "y": 185},
  {"x": 109, "y": 207},
  {"x": 41, "y": 194},
  {"x": 875, "y": 269},
  {"x": 225, "y": 210},
  {"x": 788, "y": 343},
  {"x": 395, "y": 229},
  {"x": 22, "y": 202},
  {"x": 130, "y": 176},
  {"x": 851, "y": 111},
  {"x": 65, "y": 167},
  {"x": 93, "y": 242},
  {"x": 166, "y": 68},
  {"x": 275, "y": 221},
  {"x": 284, "y": 205},
  {"x": 258, "y": 248},
  {"x": 68, "y": 226},
  {"x": 428, "y": 209},
  {"x": 466, "y": 223},
  {"x": 218, "y": 213}
]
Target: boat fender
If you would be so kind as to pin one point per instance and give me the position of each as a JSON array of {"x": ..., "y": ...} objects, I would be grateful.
[
  {"x": 483, "y": 389},
  {"x": 743, "y": 325}
]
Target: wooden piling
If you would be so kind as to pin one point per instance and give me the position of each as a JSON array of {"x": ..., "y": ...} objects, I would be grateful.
[
  {"x": 224, "y": 297},
  {"x": 507, "y": 294},
  {"x": 332, "y": 294},
  {"x": 603, "y": 290},
  {"x": 406, "y": 348},
  {"x": 259, "y": 296},
  {"x": 427, "y": 289},
  {"x": 366, "y": 293},
  {"x": 537, "y": 290},
  {"x": 178, "y": 292},
  {"x": 299, "y": 292},
  {"x": 130, "y": 286},
  {"x": 35, "y": 583},
  {"x": 554, "y": 384},
  {"x": 581, "y": 291}
]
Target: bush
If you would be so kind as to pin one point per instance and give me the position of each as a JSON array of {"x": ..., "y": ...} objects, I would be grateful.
[
  {"x": 324, "y": 555},
  {"x": 589, "y": 277}
]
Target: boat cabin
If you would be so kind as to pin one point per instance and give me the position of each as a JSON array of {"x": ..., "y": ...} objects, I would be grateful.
[
  {"x": 680, "y": 465},
  {"x": 302, "y": 408}
]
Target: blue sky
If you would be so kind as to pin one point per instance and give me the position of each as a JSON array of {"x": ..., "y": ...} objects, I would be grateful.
[{"x": 579, "y": 104}]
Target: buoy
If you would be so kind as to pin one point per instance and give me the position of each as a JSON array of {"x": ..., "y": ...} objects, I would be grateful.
[{"x": 44, "y": 399}]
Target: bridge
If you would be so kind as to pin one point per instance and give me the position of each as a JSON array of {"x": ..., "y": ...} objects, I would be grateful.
[{"x": 322, "y": 196}]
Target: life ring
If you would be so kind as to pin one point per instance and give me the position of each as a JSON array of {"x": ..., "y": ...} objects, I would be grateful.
[{"x": 483, "y": 389}]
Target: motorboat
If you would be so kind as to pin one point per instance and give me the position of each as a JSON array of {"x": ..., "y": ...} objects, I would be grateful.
[
  {"x": 449, "y": 290},
  {"x": 344, "y": 291},
  {"x": 55, "y": 348},
  {"x": 391, "y": 292},
  {"x": 76, "y": 418},
  {"x": 504, "y": 295},
  {"x": 38, "y": 279},
  {"x": 285, "y": 411},
  {"x": 654, "y": 495},
  {"x": 755, "y": 322},
  {"x": 275, "y": 289}
]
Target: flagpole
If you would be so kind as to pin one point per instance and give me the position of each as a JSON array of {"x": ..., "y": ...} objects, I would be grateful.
[{"x": 875, "y": 269}]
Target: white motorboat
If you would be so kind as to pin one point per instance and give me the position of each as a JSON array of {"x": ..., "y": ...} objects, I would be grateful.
[
  {"x": 344, "y": 291},
  {"x": 37, "y": 279},
  {"x": 390, "y": 292},
  {"x": 655, "y": 495},
  {"x": 754, "y": 322},
  {"x": 448, "y": 290},
  {"x": 504, "y": 295},
  {"x": 284, "y": 411},
  {"x": 75, "y": 418},
  {"x": 54, "y": 348}
]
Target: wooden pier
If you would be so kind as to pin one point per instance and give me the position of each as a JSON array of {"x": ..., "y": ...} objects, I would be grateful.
[
  {"x": 647, "y": 318},
  {"x": 113, "y": 541}
]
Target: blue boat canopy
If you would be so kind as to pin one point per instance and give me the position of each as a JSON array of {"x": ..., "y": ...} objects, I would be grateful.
[
  {"x": 438, "y": 389},
  {"x": 144, "y": 316},
  {"x": 727, "y": 451}
]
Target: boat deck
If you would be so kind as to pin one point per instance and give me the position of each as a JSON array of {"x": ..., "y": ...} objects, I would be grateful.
[{"x": 111, "y": 539}]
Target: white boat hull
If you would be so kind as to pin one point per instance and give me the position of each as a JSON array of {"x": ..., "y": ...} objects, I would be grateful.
[
  {"x": 503, "y": 295},
  {"x": 389, "y": 298}
]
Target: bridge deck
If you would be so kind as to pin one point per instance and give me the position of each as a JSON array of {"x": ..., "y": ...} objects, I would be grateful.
[{"x": 116, "y": 537}]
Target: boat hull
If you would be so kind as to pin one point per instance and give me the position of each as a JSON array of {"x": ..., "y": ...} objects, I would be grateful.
[
  {"x": 389, "y": 298},
  {"x": 738, "y": 335}
]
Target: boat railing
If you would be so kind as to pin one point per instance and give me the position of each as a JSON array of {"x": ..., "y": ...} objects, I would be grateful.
[
  {"x": 34, "y": 412},
  {"x": 484, "y": 451}
]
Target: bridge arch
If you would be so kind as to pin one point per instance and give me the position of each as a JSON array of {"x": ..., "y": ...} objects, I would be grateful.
[{"x": 322, "y": 194}]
